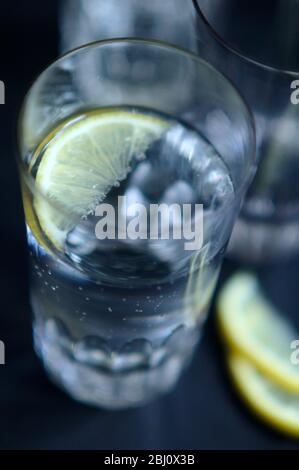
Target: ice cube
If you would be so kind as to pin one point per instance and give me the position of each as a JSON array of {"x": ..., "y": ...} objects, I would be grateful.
[
  {"x": 179, "y": 192},
  {"x": 149, "y": 179}
]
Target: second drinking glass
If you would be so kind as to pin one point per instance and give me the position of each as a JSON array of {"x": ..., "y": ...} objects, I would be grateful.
[{"x": 256, "y": 44}]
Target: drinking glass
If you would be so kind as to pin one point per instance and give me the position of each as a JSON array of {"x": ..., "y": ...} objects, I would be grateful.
[
  {"x": 117, "y": 320},
  {"x": 84, "y": 21},
  {"x": 256, "y": 44}
]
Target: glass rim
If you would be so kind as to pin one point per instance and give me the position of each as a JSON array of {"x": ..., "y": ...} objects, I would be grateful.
[
  {"x": 252, "y": 156},
  {"x": 234, "y": 50}
]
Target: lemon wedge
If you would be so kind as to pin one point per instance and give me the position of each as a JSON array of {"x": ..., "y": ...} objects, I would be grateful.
[
  {"x": 275, "y": 406},
  {"x": 250, "y": 325}
]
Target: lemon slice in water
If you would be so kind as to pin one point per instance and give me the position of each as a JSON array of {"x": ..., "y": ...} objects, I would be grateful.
[
  {"x": 83, "y": 160},
  {"x": 253, "y": 327}
]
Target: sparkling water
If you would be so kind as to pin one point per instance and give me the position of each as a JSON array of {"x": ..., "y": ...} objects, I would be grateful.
[{"x": 116, "y": 321}]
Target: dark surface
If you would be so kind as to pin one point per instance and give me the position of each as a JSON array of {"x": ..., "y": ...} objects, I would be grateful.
[{"x": 203, "y": 412}]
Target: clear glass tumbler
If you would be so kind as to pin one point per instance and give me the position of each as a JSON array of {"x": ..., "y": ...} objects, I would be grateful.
[
  {"x": 116, "y": 319},
  {"x": 256, "y": 44}
]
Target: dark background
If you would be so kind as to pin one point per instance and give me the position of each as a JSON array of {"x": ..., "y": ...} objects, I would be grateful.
[{"x": 202, "y": 413}]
